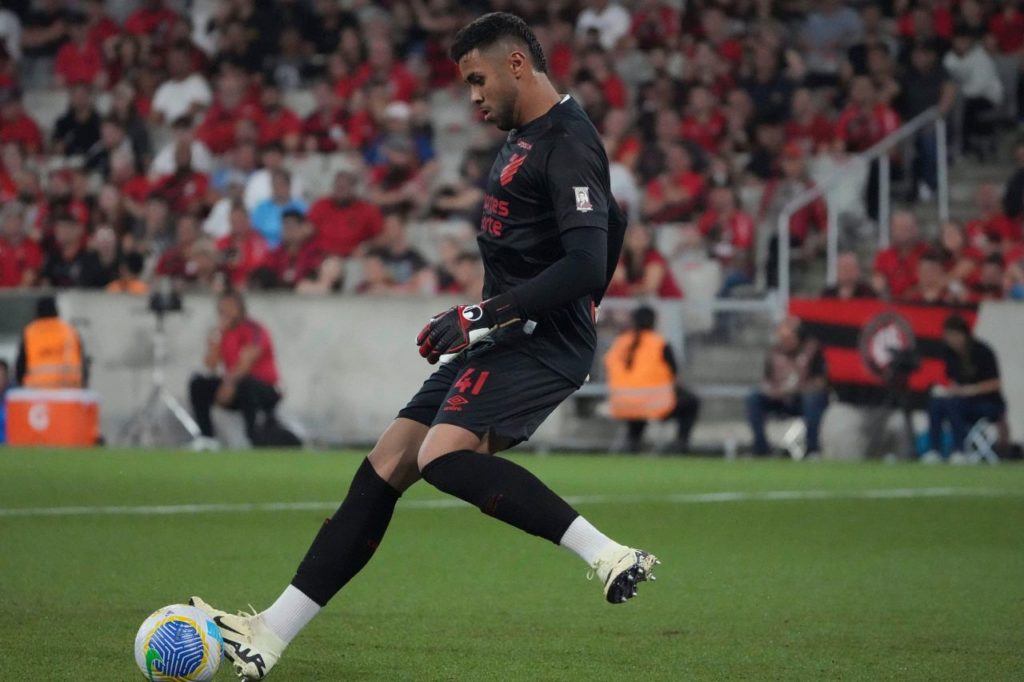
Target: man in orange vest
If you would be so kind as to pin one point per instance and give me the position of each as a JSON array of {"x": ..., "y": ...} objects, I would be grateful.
[
  {"x": 51, "y": 354},
  {"x": 642, "y": 383}
]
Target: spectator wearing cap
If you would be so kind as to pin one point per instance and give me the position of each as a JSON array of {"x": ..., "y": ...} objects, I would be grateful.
[
  {"x": 298, "y": 258},
  {"x": 16, "y": 125},
  {"x": 896, "y": 266},
  {"x": 64, "y": 263},
  {"x": 268, "y": 214},
  {"x": 75, "y": 133},
  {"x": 184, "y": 93},
  {"x": 20, "y": 255},
  {"x": 78, "y": 60},
  {"x": 183, "y": 135},
  {"x": 849, "y": 282},
  {"x": 610, "y": 21},
  {"x": 243, "y": 249},
  {"x": 344, "y": 223},
  {"x": 279, "y": 123}
]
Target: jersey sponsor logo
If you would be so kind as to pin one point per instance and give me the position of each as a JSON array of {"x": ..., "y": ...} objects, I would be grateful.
[
  {"x": 524, "y": 144},
  {"x": 510, "y": 169},
  {"x": 582, "y": 199},
  {"x": 493, "y": 204}
]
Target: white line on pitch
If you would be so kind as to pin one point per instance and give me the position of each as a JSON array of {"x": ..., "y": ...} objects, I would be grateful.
[{"x": 451, "y": 503}]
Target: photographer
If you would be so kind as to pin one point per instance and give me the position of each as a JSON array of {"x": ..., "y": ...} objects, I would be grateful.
[
  {"x": 249, "y": 381},
  {"x": 974, "y": 391}
]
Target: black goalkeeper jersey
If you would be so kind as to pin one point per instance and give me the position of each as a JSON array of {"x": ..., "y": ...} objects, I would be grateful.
[{"x": 551, "y": 176}]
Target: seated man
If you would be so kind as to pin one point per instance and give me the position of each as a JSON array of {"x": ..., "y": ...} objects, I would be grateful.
[
  {"x": 795, "y": 384},
  {"x": 249, "y": 381},
  {"x": 974, "y": 391},
  {"x": 642, "y": 381}
]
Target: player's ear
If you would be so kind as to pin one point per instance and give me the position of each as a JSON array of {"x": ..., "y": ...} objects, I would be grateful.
[{"x": 518, "y": 64}]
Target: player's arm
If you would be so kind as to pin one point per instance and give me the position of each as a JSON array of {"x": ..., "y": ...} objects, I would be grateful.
[{"x": 576, "y": 178}]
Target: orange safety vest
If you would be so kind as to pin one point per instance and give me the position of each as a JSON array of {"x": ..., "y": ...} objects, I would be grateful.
[
  {"x": 646, "y": 389},
  {"x": 53, "y": 355}
]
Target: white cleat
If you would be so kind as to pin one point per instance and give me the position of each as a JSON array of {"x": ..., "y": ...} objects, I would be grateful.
[
  {"x": 621, "y": 569},
  {"x": 249, "y": 644}
]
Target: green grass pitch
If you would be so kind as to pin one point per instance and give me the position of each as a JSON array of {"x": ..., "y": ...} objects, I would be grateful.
[{"x": 919, "y": 578}]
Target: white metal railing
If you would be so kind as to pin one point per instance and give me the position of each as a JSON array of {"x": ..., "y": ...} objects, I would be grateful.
[{"x": 879, "y": 151}]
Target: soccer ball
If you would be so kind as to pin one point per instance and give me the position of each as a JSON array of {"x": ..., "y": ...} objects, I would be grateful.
[{"x": 178, "y": 643}]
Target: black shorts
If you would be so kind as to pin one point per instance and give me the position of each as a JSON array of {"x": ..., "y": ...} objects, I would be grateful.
[{"x": 493, "y": 390}]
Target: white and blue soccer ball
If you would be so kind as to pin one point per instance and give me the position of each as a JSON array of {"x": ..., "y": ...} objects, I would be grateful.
[{"x": 178, "y": 643}]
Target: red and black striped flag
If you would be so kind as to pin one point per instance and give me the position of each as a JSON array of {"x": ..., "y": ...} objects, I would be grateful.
[{"x": 862, "y": 337}]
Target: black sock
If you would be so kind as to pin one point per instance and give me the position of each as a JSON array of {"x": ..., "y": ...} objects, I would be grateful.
[
  {"x": 502, "y": 489},
  {"x": 348, "y": 539}
]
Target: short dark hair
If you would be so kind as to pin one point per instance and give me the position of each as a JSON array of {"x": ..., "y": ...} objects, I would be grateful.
[
  {"x": 955, "y": 323},
  {"x": 494, "y": 27}
]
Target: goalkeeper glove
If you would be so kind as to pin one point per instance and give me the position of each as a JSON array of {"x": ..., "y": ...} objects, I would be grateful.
[{"x": 456, "y": 329}]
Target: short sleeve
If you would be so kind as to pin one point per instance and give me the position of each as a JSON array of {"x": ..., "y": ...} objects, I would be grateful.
[{"x": 577, "y": 179}]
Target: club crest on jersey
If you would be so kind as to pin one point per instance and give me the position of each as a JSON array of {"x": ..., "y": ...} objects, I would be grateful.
[
  {"x": 582, "y": 199},
  {"x": 510, "y": 169}
]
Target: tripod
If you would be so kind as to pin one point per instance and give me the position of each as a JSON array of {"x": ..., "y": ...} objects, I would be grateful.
[
  {"x": 897, "y": 397},
  {"x": 147, "y": 427}
]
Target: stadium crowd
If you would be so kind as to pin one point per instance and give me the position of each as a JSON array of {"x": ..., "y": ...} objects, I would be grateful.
[{"x": 326, "y": 146}]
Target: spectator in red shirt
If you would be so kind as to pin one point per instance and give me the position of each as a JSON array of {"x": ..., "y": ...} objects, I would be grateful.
[
  {"x": 991, "y": 283},
  {"x": 219, "y": 128},
  {"x": 382, "y": 67},
  {"x": 176, "y": 261},
  {"x": 992, "y": 231},
  {"x": 242, "y": 350},
  {"x": 99, "y": 27},
  {"x": 16, "y": 125},
  {"x": 675, "y": 193},
  {"x": 642, "y": 270},
  {"x": 864, "y": 122},
  {"x": 186, "y": 190},
  {"x": 597, "y": 64},
  {"x": 896, "y": 267},
  {"x": 279, "y": 124},
  {"x": 621, "y": 145},
  {"x": 345, "y": 224},
  {"x": 806, "y": 126},
  {"x": 934, "y": 286},
  {"x": 298, "y": 258},
  {"x": 78, "y": 60},
  {"x": 960, "y": 260},
  {"x": 21, "y": 255},
  {"x": 729, "y": 234},
  {"x": 718, "y": 32},
  {"x": 704, "y": 124},
  {"x": 1007, "y": 28},
  {"x": 243, "y": 249},
  {"x": 807, "y": 227},
  {"x": 151, "y": 19}
]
